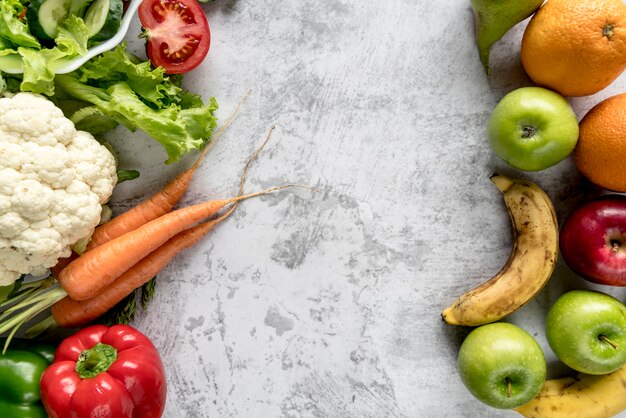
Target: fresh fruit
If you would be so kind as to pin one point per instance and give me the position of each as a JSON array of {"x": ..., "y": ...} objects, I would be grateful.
[
  {"x": 581, "y": 396},
  {"x": 576, "y": 47},
  {"x": 593, "y": 240},
  {"x": 600, "y": 154},
  {"x": 177, "y": 32},
  {"x": 587, "y": 331},
  {"x": 502, "y": 365},
  {"x": 494, "y": 18},
  {"x": 533, "y": 128},
  {"x": 530, "y": 264}
]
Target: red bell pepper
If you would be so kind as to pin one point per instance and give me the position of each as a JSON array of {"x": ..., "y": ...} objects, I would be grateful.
[{"x": 105, "y": 372}]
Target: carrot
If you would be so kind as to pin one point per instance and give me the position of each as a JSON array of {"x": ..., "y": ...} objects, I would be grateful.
[
  {"x": 146, "y": 263},
  {"x": 84, "y": 277},
  {"x": 70, "y": 313},
  {"x": 159, "y": 204}
]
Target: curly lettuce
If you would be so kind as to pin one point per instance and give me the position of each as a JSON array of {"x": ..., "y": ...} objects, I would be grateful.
[
  {"x": 21, "y": 51},
  {"x": 132, "y": 93}
]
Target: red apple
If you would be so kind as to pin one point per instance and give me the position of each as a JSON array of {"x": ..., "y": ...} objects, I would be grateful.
[{"x": 593, "y": 240}]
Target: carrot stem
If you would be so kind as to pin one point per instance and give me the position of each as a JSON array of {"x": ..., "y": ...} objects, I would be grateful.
[
  {"x": 50, "y": 298},
  {"x": 40, "y": 327}
]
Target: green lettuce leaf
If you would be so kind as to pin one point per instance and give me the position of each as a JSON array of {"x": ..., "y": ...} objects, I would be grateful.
[
  {"x": 71, "y": 41},
  {"x": 72, "y": 37},
  {"x": 137, "y": 96},
  {"x": 12, "y": 28},
  {"x": 151, "y": 84},
  {"x": 37, "y": 77}
]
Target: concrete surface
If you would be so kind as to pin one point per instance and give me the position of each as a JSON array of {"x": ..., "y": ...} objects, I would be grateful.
[{"x": 326, "y": 303}]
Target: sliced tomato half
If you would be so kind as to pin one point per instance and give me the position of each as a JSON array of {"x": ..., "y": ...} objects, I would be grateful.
[{"x": 177, "y": 32}]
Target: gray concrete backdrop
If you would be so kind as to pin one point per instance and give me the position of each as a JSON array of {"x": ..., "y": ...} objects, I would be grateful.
[{"x": 326, "y": 304}]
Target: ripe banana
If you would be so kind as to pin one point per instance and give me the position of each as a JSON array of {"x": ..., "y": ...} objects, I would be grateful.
[
  {"x": 583, "y": 396},
  {"x": 529, "y": 266}
]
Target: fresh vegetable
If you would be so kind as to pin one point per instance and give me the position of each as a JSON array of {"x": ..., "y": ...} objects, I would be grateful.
[
  {"x": 21, "y": 52},
  {"x": 178, "y": 34},
  {"x": 70, "y": 313},
  {"x": 173, "y": 225},
  {"x": 84, "y": 277},
  {"x": 78, "y": 7},
  {"x": 38, "y": 37},
  {"x": 101, "y": 371},
  {"x": 24, "y": 309},
  {"x": 103, "y": 18},
  {"x": 125, "y": 310},
  {"x": 126, "y": 175},
  {"x": 53, "y": 181},
  {"x": 159, "y": 204},
  {"x": 131, "y": 92},
  {"x": 21, "y": 368},
  {"x": 45, "y": 16},
  {"x": 13, "y": 30},
  {"x": 91, "y": 119}
]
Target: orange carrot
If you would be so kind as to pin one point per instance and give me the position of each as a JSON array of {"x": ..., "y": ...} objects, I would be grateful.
[
  {"x": 118, "y": 267},
  {"x": 71, "y": 313},
  {"x": 159, "y": 204},
  {"x": 84, "y": 277}
]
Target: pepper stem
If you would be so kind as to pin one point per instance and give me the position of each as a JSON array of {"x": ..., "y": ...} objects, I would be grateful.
[{"x": 95, "y": 360}]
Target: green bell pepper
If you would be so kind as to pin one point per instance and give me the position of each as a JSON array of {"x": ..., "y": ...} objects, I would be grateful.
[{"x": 20, "y": 371}]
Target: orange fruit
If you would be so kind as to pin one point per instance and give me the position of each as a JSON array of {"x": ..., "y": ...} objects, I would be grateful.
[
  {"x": 600, "y": 154},
  {"x": 576, "y": 47}
]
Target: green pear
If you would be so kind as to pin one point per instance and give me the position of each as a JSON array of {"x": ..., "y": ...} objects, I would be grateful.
[{"x": 494, "y": 18}]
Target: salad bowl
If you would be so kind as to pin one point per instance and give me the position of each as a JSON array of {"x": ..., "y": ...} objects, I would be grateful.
[{"x": 13, "y": 64}]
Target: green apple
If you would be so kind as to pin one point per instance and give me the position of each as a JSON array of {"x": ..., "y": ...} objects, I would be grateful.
[
  {"x": 587, "y": 331},
  {"x": 502, "y": 365},
  {"x": 533, "y": 128}
]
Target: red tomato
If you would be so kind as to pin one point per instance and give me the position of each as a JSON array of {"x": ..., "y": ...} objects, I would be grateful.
[
  {"x": 178, "y": 34},
  {"x": 107, "y": 373}
]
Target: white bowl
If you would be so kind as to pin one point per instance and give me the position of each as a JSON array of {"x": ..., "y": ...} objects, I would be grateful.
[{"x": 13, "y": 64}]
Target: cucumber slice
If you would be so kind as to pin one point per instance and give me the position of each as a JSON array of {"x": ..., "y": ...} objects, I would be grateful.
[
  {"x": 78, "y": 7},
  {"x": 45, "y": 16},
  {"x": 103, "y": 19}
]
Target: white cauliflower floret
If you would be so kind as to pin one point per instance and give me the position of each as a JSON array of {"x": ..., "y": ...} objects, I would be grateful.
[{"x": 53, "y": 181}]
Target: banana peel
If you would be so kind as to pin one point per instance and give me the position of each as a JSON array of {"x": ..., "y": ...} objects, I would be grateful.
[
  {"x": 580, "y": 396},
  {"x": 530, "y": 264}
]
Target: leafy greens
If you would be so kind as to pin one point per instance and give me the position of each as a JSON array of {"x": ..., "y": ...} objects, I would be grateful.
[
  {"x": 132, "y": 93},
  {"x": 20, "y": 49}
]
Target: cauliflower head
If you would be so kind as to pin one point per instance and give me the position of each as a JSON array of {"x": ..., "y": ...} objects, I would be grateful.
[{"x": 53, "y": 181}]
